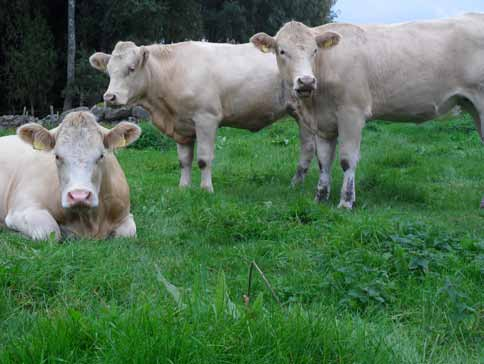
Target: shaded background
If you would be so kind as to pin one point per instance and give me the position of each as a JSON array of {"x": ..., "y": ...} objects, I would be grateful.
[
  {"x": 33, "y": 38},
  {"x": 34, "y": 35}
]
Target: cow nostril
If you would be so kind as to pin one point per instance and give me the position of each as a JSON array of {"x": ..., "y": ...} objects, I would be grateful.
[
  {"x": 306, "y": 81},
  {"x": 79, "y": 196},
  {"x": 109, "y": 97}
]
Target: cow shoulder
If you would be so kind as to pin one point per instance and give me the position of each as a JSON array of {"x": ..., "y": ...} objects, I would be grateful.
[{"x": 29, "y": 177}]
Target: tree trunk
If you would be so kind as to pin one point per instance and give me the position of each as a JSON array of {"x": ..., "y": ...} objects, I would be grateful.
[{"x": 71, "y": 52}]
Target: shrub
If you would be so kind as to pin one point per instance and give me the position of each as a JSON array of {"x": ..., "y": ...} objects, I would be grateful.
[{"x": 152, "y": 138}]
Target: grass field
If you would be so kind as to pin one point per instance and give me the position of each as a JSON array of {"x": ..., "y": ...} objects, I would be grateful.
[{"x": 398, "y": 280}]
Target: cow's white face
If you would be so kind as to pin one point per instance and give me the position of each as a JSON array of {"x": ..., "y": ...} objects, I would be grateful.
[
  {"x": 126, "y": 70},
  {"x": 296, "y": 48},
  {"x": 80, "y": 146}
]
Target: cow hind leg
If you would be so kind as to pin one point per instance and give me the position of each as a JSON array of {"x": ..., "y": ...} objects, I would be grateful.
[
  {"x": 306, "y": 154},
  {"x": 206, "y": 134},
  {"x": 36, "y": 223},
  {"x": 476, "y": 110},
  {"x": 349, "y": 130},
  {"x": 325, "y": 149},
  {"x": 185, "y": 156}
]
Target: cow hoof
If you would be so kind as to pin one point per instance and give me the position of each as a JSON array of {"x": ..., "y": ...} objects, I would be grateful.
[
  {"x": 295, "y": 181},
  {"x": 321, "y": 196},
  {"x": 482, "y": 203},
  {"x": 347, "y": 205},
  {"x": 184, "y": 185},
  {"x": 299, "y": 176},
  {"x": 209, "y": 189}
]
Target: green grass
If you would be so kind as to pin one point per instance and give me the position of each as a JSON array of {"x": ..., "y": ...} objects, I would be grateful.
[{"x": 398, "y": 280}]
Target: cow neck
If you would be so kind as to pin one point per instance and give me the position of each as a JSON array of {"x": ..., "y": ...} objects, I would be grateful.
[
  {"x": 158, "y": 100},
  {"x": 305, "y": 111}
]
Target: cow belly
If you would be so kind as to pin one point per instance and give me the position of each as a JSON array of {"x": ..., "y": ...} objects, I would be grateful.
[
  {"x": 252, "y": 122},
  {"x": 185, "y": 128},
  {"x": 253, "y": 110},
  {"x": 416, "y": 109},
  {"x": 408, "y": 115}
]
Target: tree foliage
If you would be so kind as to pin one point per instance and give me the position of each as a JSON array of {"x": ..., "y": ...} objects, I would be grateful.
[
  {"x": 33, "y": 37},
  {"x": 30, "y": 61}
]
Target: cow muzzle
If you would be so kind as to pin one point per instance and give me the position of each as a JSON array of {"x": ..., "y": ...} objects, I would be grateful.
[
  {"x": 80, "y": 198},
  {"x": 110, "y": 98},
  {"x": 115, "y": 99},
  {"x": 305, "y": 86}
]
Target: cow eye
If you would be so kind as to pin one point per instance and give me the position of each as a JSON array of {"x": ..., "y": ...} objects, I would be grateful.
[
  {"x": 315, "y": 51},
  {"x": 282, "y": 52},
  {"x": 101, "y": 157},
  {"x": 131, "y": 68}
]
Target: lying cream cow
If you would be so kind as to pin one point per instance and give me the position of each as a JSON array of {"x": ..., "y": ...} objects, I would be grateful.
[
  {"x": 191, "y": 89},
  {"x": 66, "y": 179},
  {"x": 342, "y": 75}
]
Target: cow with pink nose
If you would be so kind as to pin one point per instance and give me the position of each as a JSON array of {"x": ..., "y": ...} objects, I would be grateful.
[{"x": 66, "y": 180}]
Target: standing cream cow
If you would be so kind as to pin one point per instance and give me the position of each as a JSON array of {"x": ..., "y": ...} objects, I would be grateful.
[
  {"x": 190, "y": 89},
  {"x": 342, "y": 75},
  {"x": 66, "y": 179}
]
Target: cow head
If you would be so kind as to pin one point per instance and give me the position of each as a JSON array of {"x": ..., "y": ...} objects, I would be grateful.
[
  {"x": 126, "y": 70},
  {"x": 296, "y": 47},
  {"x": 80, "y": 146}
]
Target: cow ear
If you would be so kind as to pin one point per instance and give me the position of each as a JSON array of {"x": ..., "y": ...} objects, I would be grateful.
[
  {"x": 328, "y": 40},
  {"x": 122, "y": 135},
  {"x": 264, "y": 42},
  {"x": 100, "y": 61},
  {"x": 144, "y": 55},
  {"x": 37, "y": 136}
]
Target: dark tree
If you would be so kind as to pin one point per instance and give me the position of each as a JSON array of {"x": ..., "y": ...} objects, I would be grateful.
[
  {"x": 30, "y": 62},
  {"x": 37, "y": 69},
  {"x": 71, "y": 52}
]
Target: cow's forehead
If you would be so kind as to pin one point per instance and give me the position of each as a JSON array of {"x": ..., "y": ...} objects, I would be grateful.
[
  {"x": 123, "y": 56},
  {"x": 124, "y": 46},
  {"x": 124, "y": 52},
  {"x": 79, "y": 134},
  {"x": 295, "y": 34}
]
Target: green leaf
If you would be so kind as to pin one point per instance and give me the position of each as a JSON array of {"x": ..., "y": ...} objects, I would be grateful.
[{"x": 172, "y": 289}]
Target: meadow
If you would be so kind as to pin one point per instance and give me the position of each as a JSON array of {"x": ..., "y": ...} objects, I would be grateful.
[{"x": 398, "y": 280}]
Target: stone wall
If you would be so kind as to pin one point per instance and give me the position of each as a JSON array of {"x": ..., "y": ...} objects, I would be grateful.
[
  {"x": 103, "y": 114},
  {"x": 14, "y": 121}
]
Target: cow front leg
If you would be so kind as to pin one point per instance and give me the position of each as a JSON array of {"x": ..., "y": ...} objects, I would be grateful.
[
  {"x": 325, "y": 149},
  {"x": 475, "y": 107},
  {"x": 127, "y": 228},
  {"x": 306, "y": 154},
  {"x": 185, "y": 156},
  {"x": 206, "y": 134},
  {"x": 36, "y": 223},
  {"x": 350, "y": 140}
]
